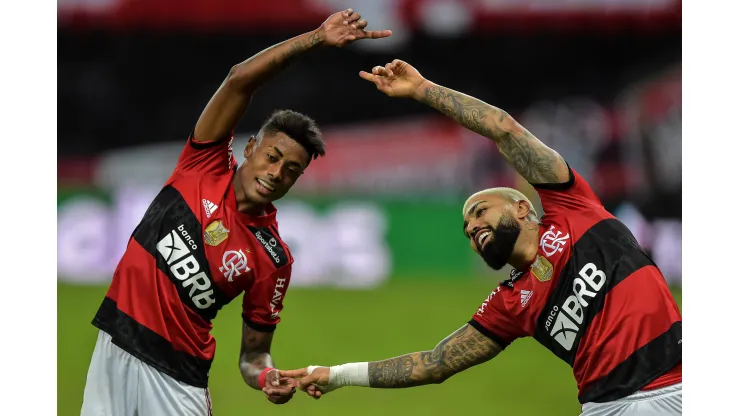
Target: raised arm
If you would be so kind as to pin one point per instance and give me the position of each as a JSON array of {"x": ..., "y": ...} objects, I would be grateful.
[
  {"x": 461, "y": 350},
  {"x": 231, "y": 99},
  {"x": 536, "y": 162}
]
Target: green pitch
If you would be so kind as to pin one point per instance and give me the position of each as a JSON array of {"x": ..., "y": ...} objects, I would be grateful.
[{"x": 327, "y": 327}]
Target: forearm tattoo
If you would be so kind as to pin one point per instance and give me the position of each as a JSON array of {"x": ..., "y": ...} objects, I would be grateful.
[
  {"x": 280, "y": 61},
  {"x": 530, "y": 157},
  {"x": 461, "y": 350}
]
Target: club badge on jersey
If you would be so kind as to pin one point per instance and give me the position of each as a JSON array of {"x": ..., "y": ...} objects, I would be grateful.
[
  {"x": 542, "y": 269},
  {"x": 234, "y": 263},
  {"x": 553, "y": 241},
  {"x": 215, "y": 233}
]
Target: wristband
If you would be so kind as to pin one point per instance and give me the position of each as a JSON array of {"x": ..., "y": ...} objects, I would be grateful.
[
  {"x": 263, "y": 377},
  {"x": 353, "y": 374}
]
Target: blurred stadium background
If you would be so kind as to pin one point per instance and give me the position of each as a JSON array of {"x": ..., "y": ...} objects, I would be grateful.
[{"x": 381, "y": 266}]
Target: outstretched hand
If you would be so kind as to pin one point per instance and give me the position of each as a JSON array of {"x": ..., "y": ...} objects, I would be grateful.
[
  {"x": 314, "y": 382},
  {"x": 278, "y": 389},
  {"x": 396, "y": 79},
  {"x": 343, "y": 28}
]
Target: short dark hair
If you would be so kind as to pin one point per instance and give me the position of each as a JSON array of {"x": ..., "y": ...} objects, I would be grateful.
[{"x": 299, "y": 127}]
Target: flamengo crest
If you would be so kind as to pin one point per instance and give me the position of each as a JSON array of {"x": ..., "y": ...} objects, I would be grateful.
[
  {"x": 233, "y": 263},
  {"x": 552, "y": 242}
]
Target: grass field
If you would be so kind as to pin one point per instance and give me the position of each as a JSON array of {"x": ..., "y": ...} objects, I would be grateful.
[{"x": 327, "y": 327}]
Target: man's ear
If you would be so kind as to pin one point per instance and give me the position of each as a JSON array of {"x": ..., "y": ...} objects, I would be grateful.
[{"x": 523, "y": 209}]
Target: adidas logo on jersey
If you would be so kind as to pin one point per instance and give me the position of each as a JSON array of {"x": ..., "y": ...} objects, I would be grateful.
[
  {"x": 184, "y": 267},
  {"x": 526, "y": 295},
  {"x": 209, "y": 207},
  {"x": 569, "y": 317}
]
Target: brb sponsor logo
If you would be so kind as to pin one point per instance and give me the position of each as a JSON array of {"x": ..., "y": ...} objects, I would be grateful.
[
  {"x": 269, "y": 246},
  {"x": 277, "y": 296},
  {"x": 185, "y": 268},
  {"x": 552, "y": 242},
  {"x": 568, "y": 318}
]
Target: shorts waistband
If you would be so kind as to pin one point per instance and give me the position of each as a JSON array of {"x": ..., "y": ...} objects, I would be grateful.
[{"x": 642, "y": 395}]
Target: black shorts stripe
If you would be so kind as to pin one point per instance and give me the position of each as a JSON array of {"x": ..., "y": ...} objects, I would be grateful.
[
  {"x": 608, "y": 247},
  {"x": 171, "y": 233},
  {"x": 485, "y": 331},
  {"x": 150, "y": 347},
  {"x": 654, "y": 359}
]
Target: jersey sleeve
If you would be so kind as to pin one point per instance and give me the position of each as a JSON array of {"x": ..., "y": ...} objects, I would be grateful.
[
  {"x": 493, "y": 321},
  {"x": 263, "y": 302},
  {"x": 215, "y": 157},
  {"x": 574, "y": 195}
]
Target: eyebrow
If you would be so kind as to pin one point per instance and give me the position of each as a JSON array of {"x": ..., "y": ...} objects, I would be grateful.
[
  {"x": 278, "y": 151},
  {"x": 472, "y": 207}
]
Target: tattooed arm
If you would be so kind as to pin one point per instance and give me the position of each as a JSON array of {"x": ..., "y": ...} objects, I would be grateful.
[
  {"x": 461, "y": 350},
  {"x": 231, "y": 99},
  {"x": 254, "y": 355},
  {"x": 536, "y": 162}
]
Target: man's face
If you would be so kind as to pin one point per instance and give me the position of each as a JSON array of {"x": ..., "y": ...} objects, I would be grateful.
[
  {"x": 271, "y": 168},
  {"x": 492, "y": 227}
]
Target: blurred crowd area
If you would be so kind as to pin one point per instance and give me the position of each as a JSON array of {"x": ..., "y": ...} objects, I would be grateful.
[{"x": 597, "y": 80}]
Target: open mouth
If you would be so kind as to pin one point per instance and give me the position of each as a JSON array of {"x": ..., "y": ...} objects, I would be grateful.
[
  {"x": 483, "y": 236},
  {"x": 264, "y": 187}
]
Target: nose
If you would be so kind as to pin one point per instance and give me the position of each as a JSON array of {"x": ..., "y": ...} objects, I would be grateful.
[{"x": 275, "y": 172}]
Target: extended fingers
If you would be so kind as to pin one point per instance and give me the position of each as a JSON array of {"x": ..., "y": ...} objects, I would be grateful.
[
  {"x": 376, "y": 34},
  {"x": 301, "y": 372}
]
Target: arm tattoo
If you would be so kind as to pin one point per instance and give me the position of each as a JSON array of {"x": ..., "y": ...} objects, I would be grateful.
[
  {"x": 284, "y": 59},
  {"x": 461, "y": 350},
  {"x": 531, "y": 158},
  {"x": 255, "y": 354},
  {"x": 298, "y": 46}
]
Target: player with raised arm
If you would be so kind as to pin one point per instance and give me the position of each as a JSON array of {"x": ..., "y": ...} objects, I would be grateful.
[
  {"x": 209, "y": 235},
  {"x": 580, "y": 284}
]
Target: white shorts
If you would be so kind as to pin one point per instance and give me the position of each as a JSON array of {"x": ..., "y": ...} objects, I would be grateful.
[
  {"x": 664, "y": 401},
  {"x": 119, "y": 384}
]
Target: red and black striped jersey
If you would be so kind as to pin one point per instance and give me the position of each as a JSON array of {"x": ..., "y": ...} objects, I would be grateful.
[
  {"x": 593, "y": 297},
  {"x": 191, "y": 254}
]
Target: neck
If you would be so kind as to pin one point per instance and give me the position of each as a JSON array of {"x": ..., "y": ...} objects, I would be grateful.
[
  {"x": 526, "y": 246},
  {"x": 243, "y": 203}
]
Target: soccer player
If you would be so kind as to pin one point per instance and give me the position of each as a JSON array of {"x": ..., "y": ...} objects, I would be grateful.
[
  {"x": 208, "y": 236},
  {"x": 580, "y": 284}
]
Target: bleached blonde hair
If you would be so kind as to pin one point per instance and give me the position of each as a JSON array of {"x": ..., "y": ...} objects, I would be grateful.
[{"x": 509, "y": 194}]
